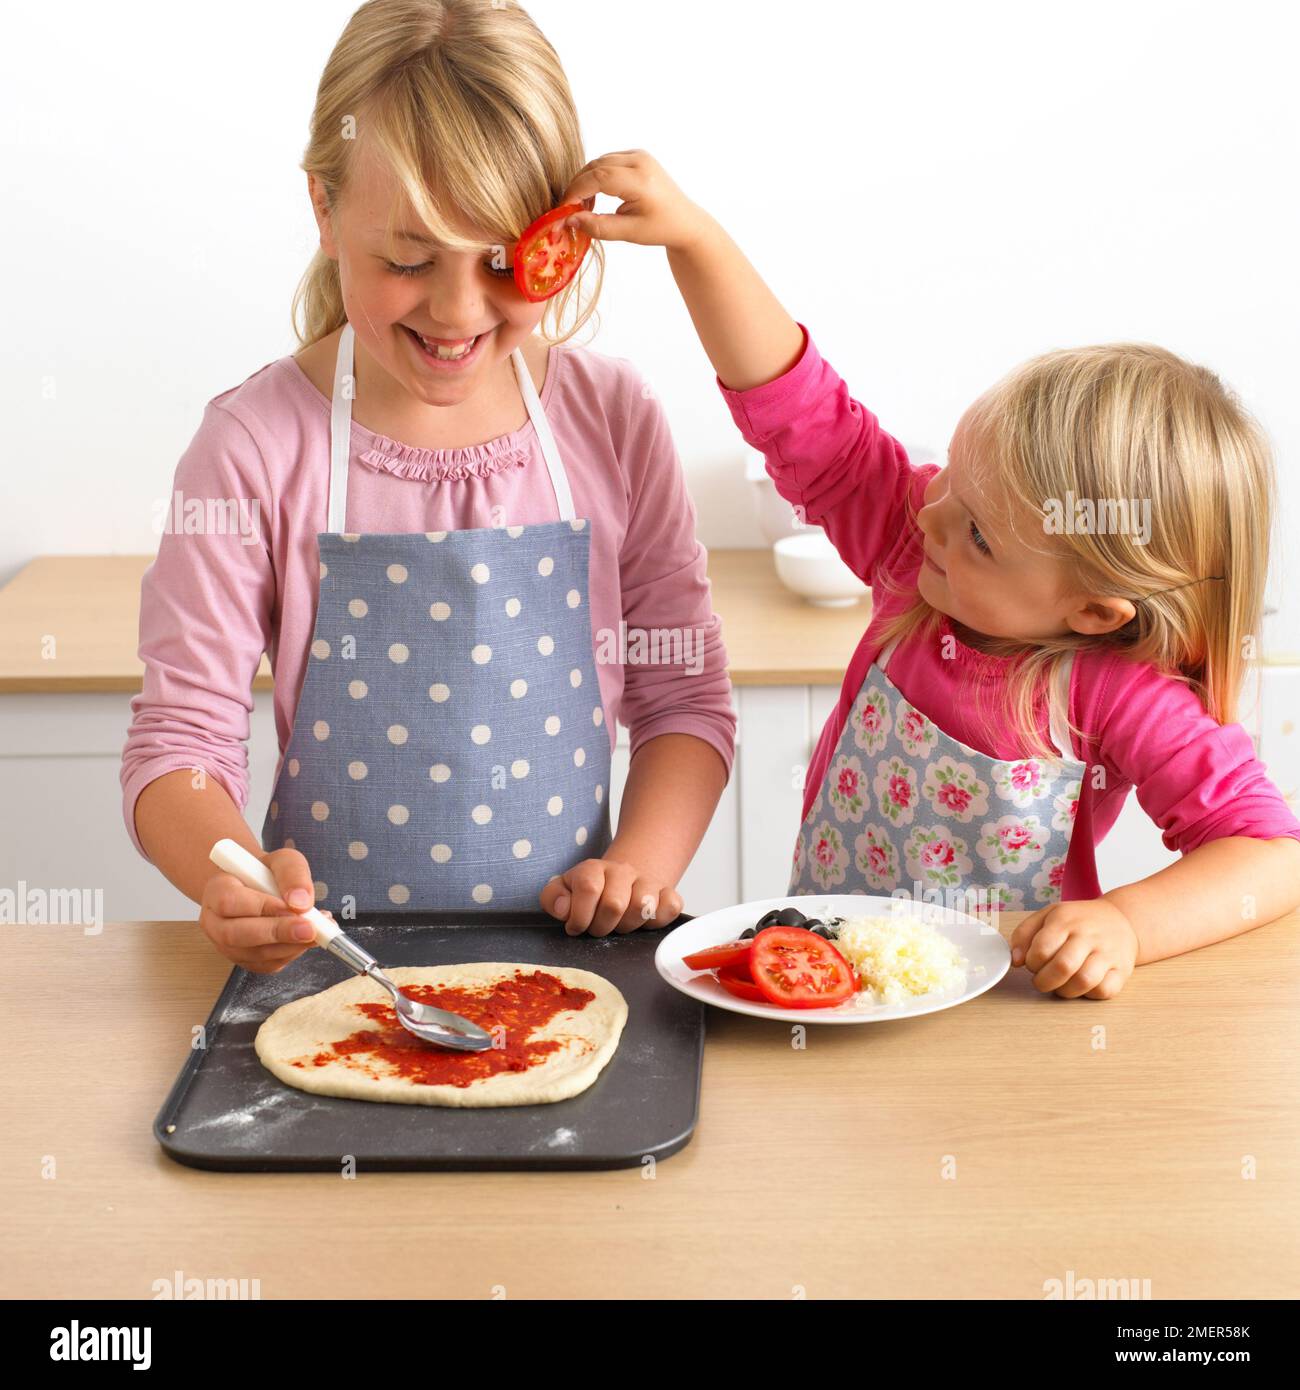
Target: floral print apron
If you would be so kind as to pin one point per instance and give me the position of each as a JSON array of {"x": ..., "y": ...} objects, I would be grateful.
[{"x": 906, "y": 810}]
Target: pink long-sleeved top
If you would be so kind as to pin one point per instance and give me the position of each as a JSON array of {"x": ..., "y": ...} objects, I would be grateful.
[
  {"x": 211, "y": 602},
  {"x": 1197, "y": 779}
]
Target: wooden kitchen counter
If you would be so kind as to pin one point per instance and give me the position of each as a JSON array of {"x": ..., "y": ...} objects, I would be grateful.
[
  {"x": 1109, "y": 1139},
  {"x": 90, "y": 606}
]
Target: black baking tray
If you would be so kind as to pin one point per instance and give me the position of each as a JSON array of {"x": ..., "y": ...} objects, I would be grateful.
[{"x": 227, "y": 1111}]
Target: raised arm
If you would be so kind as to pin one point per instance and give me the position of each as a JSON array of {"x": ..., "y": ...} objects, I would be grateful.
[
  {"x": 749, "y": 337},
  {"x": 824, "y": 450}
]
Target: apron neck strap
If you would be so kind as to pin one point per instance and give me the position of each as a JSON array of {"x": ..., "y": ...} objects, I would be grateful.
[
  {"x": 1059, "y": 706},
  {"x": 1058, "y": 700},
  {"x": 341, "y": 433},
  {"x": 550, "y": 452}
]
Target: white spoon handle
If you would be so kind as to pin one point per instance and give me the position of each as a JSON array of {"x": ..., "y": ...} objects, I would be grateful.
[{"x": 250, "y": 871}]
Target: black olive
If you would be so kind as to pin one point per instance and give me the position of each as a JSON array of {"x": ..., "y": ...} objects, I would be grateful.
[
  {"x": 821, "y": 931},
  {"x": 745, "y": 935},
  {"x": 811, "y": 923},
  {"x": 790, "y": 917},
  {"x": 769, "y": 919}
]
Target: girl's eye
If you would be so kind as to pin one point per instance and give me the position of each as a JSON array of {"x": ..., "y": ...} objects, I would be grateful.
[
  {"x": 503, "y": 272},
  {"x": 980, "y": 543}
]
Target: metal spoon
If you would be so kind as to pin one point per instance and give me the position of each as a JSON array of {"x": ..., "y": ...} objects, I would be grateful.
[{"x": 436, "y": 1026}]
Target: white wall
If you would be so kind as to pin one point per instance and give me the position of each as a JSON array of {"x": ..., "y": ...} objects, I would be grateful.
[{"x": 938, "y": 190}]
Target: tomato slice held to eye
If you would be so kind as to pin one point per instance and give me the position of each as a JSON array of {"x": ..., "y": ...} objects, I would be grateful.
[
  {"x": 548, "y": 254},
  {"x": 729, "y": 953},
  {"x": 798, "y": 969},
  {"x": 735, "y": 980}
]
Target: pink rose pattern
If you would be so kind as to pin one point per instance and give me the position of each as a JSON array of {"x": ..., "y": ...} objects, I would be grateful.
[
  {"x": 935, "y": 857},
  {"x": 870, "y": 720},
  {"x": 847, "y": 789},
  {"x": 1022, "y": 783},
  {"x": 1047, "y": 881},
  {"x": 953, "y": 790},
  {"x": 876, "y": 858},
  {"x": 1066, "y": 807},
  {"x": 827, "y": 856},
  {"x": 915, "y": 732},
  {"x": 895, "y": 787},
  {"x": 910, "y": 801},
  {"x": 1012, "y": 842},
  {"x": 1003, "y": 898}
]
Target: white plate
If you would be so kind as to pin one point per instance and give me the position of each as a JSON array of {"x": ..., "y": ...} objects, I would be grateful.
[{"x": 988, "y": 956}]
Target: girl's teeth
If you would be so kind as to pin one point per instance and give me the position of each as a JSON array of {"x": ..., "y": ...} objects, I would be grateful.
[{"x": 447, "y": 354}]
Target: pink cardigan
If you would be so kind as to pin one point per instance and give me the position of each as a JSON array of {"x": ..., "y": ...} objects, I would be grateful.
[
  {"x": 1197, "y": 779},
  {"x": 211, "y": 603}
]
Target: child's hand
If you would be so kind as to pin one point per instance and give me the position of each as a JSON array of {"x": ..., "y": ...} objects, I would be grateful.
[
  {"x": 604, "y": 895},
  {"x": 654, "y": 211},
  {"x": 1086, "y": 948},
  {"x": 250, "y": 927}
]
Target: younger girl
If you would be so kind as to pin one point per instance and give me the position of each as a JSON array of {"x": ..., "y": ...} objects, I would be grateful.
[
  {"x": 1062, "y": 613},
  {"x": 457, "y": 518}
]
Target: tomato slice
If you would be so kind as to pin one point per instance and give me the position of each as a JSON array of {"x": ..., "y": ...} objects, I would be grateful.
[
  {"x": 548, "y": 254},
  {"x": 731, "y": 978},
  {"x": 729, "y": 953},
  {"x": 798, "y": 969}
]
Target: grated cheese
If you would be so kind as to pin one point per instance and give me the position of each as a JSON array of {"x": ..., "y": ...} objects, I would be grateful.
[{"x": 898, "y": 958}]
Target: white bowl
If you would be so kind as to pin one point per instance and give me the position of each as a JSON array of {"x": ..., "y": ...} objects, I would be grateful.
[
  {"x": 776, "y": 517},
  {"x": 809, "y": 565}
]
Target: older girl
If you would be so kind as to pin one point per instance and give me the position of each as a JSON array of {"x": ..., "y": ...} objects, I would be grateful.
[{"x": 457, "y": 515}]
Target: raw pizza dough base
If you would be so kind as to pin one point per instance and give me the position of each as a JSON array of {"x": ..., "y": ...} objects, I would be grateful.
[{"x": 299, "y": 1030}]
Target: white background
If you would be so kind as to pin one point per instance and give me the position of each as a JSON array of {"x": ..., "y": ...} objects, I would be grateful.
[{"x": 937, "y": 190}]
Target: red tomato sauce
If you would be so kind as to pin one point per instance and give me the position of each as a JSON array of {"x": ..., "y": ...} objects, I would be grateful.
[{"x": 517, "y": 1006}]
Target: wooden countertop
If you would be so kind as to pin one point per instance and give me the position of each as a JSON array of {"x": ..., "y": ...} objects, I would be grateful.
[
  {"x": 90, "y": 606},
  {"x": 1108, "y": 1139}
]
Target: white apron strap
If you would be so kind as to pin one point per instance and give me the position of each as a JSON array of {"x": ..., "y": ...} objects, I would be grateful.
[
  {"x": 1058, "y": 704},
  {"x": 341, "y": 433},
  {"x": 554, "y": 465},
  {"x": 1060, "y": 708}
]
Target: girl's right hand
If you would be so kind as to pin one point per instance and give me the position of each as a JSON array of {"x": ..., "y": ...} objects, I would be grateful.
[
  {"x": 654, "y": 211},
  {"x": 250, "y": 927}
]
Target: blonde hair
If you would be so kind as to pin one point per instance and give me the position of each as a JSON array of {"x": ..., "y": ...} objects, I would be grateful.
[
  {"x": 1129, "y": 421},
  {"x": 463, "y": 101}
]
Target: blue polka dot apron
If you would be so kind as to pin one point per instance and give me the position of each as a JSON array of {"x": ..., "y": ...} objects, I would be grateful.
[
  {"x": 906, "y": 810},
  {"x": 449, "y": 748}
]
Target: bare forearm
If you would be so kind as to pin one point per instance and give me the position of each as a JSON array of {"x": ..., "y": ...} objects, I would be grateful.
[
  {"x": 749, "y": 337},
  {"x": 179, "y": 817},
  {"x": 672, "y": 790},
  {"x": 1220, "y": 890}
]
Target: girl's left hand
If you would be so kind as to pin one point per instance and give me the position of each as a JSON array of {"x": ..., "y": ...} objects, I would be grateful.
[
  {"x": 606, "y": 895},
  {"x": 1077, "y": 949}
]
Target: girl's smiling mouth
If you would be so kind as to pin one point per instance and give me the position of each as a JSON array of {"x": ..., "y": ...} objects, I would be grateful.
[{"x": 445, "y": 353}]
